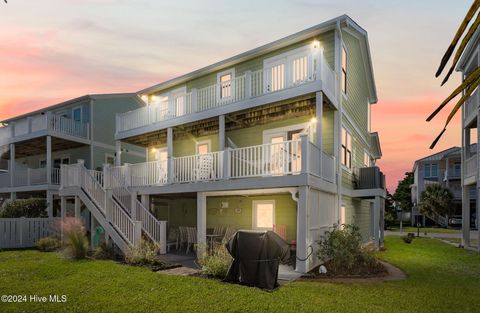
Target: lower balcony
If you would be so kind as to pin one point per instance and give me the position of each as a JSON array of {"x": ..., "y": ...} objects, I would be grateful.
[
  {"x": 287, "y": 158},
  {"x": 29, "y": 177}
]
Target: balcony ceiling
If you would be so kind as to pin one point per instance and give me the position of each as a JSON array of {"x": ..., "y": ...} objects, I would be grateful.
[
  {"x": 38, "y": 146},
  {"x": 304, "y": 106}
]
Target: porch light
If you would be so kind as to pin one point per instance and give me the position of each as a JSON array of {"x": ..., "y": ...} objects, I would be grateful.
[
  {"x": 144, "y": 98},
  {"x": 313, "y": 120},
  {"x": 316, "y": 44},
  {"x": 154, "y": 150}
]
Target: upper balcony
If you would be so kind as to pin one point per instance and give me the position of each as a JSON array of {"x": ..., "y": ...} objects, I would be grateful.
[
  {"x": 29, "y": 177},
  {"x": 278, "y": 161},
  {"x": 42, "y": 125},
  {"x": 303, "y": 75}
]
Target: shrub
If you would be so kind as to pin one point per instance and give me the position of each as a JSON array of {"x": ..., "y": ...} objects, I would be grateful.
[
  {"x": 407, "y": 239},
  {"x": 48, "y": 244},
  {"x": 217, "y": 262},
  {"x": 33, "y": 207},
  {"x": 146, "y": 253},
  {"x": 76, "y": 243},
  {"x": 341, "y": 249},
  {"x": 104, "y": 251}
]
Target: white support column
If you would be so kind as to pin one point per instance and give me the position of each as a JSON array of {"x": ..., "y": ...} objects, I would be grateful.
[
  {"x": 63, "y": 207},
  {"x": 221, "y": 132},
  {"x": 11, "y": 164},
  {"x": 49, "y": 160},
  {"x": 304, "y": 156},
  {"x": 376, "y": 219},
  {"x": 50, "y": 204},
  {"x": 201, "y": 223},
  {"x": 302, "y": 231},
  {"x": 118, "y": 153},
  {"x": 466, "y": 215},
  {"x": 170, "y": 155},
  {"x": 13, "y": 196},
  {"x": 78, "y": 212},
  {"x": 382, "y": 222}
]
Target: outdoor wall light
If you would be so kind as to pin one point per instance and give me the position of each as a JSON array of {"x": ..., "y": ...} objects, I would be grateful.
[
  {"x": 316, "y": 44},
  {"x": 313, "y": 120}
]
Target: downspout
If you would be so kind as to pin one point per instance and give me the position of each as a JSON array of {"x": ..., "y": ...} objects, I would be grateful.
[{"x": 338, "y": 47}]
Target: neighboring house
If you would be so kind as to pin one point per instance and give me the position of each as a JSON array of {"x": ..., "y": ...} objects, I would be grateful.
[
  {"x": 443, "y": 168},
  {"x": 276, "y": 138},
  {"x": 468, "y": 63},
  {"x": 34, "y": 146}
]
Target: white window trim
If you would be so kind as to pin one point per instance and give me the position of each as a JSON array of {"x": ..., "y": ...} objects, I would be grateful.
[
  {"x": 430, "y": 171},
  {"x": 202, "y": 142},
  {"x": 348, "y": 169},
  {"x": 254, "y": 219},
  {"x": 365, "y": 152},
  {"x": 109, "y": 155},
  {"x": 81, "y": 112}
]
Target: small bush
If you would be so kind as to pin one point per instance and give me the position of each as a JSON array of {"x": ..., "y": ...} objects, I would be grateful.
[
  {"x": 104, "y": 252},
  {"x": 76, "y": 243},
  {"x": 144, "y": 254},
  {"x": 407, "y": 239},
  {"x": 340, "y": 249},
  {"x": 217, "y": 263},
  {"x": 48, "y": 244},
  {"x": 33, "y": 207}
]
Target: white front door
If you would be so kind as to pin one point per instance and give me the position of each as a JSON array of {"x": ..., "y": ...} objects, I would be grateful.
[
  {"x": 263, "y": 214},
  {"x": 161, "y": 155}
]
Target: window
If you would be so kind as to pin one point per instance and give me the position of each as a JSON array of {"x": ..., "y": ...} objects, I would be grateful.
[
  {"x": 225, "y": 86},
  {"x": 43, "y": 164},
  {"x": 346, "y": 148},
  {"x": 203, "y": 147},
  {"x": 77, "y": 114},
  {"x": 300, "y": 70},
  {"x": 344, "y": 70},
  {"x": 366, "y": 159},
  {"x": 263, "y": 214},
  {"x": 430, "y": 170},
  {"x": 277, "y": 81},
  {"x": 109, "y": 159},
  {"x": 59, "y": 161},
  {"x": 179, "y": 106}
]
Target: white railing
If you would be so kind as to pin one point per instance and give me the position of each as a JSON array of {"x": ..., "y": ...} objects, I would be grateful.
[
  {"x": 471, "y": 166},
  {"x": 328, "y": 168},
  {"x": 30, "y": 177},
  {"x": 44, "y": 122},
  {"x": 124, "y": 197},
  {"x": 93, "y": 188},
  {"x": 97, "y": 175},
  {"x": 121, "y": 221},
  {"x": 249, "y": 85},
  {"x": 148, "y": 173},
  {"x": 267, "y": 159},
  {"x": 56, "y": 172},
  {"x": 194, "y": 168},
  {"x": 68, "y": 126},
  {"x": 4, "y": 180}
]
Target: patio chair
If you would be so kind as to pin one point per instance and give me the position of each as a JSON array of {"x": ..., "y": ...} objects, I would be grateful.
[
  {"x": 182, "y": 237},
  {"x": 204, "y": 170},
  {"x": 229, "y": 232},
  {"x": 280, "y": 230},
  {"x": 173, "y": 238},
  {"x": 191, "y": 238}
]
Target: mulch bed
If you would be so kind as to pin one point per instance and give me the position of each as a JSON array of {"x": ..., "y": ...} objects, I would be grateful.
[{"x": 384, "y": 272}]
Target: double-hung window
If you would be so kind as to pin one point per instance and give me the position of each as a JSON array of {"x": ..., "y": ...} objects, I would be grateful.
[
  {"x": 430, "y": 170},
  {"x": 344, "y": 70},
  {"x": 346, "y": 148}
]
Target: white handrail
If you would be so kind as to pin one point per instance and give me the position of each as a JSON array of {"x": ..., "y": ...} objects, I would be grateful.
[
  {"x": 121, "y": 221},
  {"x": 198, "y": 167}
]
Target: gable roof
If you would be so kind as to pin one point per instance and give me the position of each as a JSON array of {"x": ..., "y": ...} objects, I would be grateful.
[
  {"x": 342, "y": 21},
  {"x": 453, "y": 151},
  {"x": 75, "y": 100},
  {"x": 375, "y": 144}
]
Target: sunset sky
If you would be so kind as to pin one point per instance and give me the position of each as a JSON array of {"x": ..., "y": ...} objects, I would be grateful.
[{"x": 52, "y": 51}]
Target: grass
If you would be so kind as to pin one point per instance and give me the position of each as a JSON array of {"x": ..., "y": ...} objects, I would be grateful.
[
  {"x": 441, "y": 278},
  {"x": 438, "y": 230}
]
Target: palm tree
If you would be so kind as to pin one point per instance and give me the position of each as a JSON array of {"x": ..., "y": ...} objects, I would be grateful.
[
  {"x": 436, "y": 200},
  {"x": 472, "y": 81}
]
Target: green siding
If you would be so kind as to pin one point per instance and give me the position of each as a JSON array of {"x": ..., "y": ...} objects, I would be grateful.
[
  {"x": 74, "y": 154},
  {"x": 182, "y": 212},
  {"x": 358, "y": 212}
]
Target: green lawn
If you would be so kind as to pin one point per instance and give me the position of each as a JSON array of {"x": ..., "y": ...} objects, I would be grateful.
[
  {"x": 442, "y": 278},
  {"x": 427, "y": 229}
]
